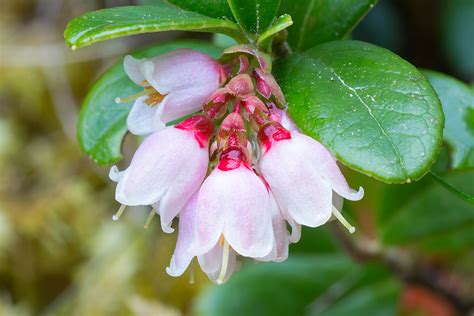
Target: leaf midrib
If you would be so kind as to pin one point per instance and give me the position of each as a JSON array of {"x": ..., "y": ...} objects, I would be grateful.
[{"x": 369, "y": 110}]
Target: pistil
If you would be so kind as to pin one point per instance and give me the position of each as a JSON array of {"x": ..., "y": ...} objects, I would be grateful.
[
  {"x": 154, "y": 97},
  {"x": 225, "y": 262},
  {"x": 149, "y": 218},
  {"x": 119, "y": 213},
  {"x": 342, "y": 220}
]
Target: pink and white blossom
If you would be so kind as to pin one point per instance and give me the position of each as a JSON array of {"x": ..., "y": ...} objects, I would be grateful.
[
  {"x": 302, "y": 174},
  {"x": 267, "y": 179},
  {"x": 234, "y": 203},
  {"x": 176, "y": 84},
  {"x": 166, "y": 170}
]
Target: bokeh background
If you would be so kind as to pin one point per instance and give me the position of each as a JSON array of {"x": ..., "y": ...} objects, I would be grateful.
[{"x": 60, "y": 252}]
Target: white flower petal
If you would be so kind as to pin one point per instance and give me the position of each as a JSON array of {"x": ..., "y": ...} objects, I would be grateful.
[
  {"x": 115, "y": 175},
  {"x": 158, "y": 162},
  {"x": 211, "y": 263},
  {"x": 182, "y": 69},
  {"x": 131, "y": 66},
  {"x": 181, "y": 258},
  {"x": 281, "y": 235},
  {"x": 296, "y": 184},
  {"x": 245, "y": 203},
  {"x": 324, "y": 162},
  {"x": 140, "y": 118},
  {"x": 179, "y": 104}
]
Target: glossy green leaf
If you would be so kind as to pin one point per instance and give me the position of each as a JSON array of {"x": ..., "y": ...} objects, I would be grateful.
[
  {"x": 280, "y": 23},
  {"x": 102, "y": 122},
  {"x": 212, "y": 8},
  {"x": 457, "y": 99},
  {"x": 375, "y": 111},
  {"x": 319, "y": 285},
  {"x": 254, "y": 16},
  {"x": 322, "y": 21},
  {"x": 430, "y": 217},
  {"x": 116, "y": 22}
]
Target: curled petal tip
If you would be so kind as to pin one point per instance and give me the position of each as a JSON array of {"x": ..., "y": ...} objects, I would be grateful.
[
  {"x": 359, "y": 194},
  {"x": 172, "y": 272},
  {"x": 114, "y": 174},
  {"x": 167, "y": 228}
]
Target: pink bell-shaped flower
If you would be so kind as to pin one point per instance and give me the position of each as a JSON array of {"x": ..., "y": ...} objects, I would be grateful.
[
  {"x": 210, "y": 262},
  {"x": 166, "y": 170},
  {"x": 302, "y": 175},
  {"x": 176, "y": 84},
  {"x": 233, "y": 203}
]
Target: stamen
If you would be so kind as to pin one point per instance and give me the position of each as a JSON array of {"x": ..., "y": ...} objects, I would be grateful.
[
  {"x": 149, "y": 218},
  {"x": 221, "y": 240},
  {"x": 133, "y": 96},
  {"x": 191, "y": 273},
  {"x": 119, "y": 213},
  {"x": 343, "y": 221},
  {"x": 154, "y": 98},
  {"x": 225, "y": 262}
]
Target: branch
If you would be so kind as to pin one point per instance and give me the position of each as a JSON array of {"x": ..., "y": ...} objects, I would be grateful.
[{"x": 405, "y": 267}]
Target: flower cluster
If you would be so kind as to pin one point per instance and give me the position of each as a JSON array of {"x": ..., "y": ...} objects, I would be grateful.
[{"x": 239, "y": 175}]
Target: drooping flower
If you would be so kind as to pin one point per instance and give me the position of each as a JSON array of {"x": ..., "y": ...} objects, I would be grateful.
[
  {"x": 168, "y": 167},
  {"x": 175, "y": 84},
  {"x": 210, "y": 262},
  {"x": 266, "y": 175},
  {"x": 290, "y": 158},
  {"x": 233, "y": 205}
]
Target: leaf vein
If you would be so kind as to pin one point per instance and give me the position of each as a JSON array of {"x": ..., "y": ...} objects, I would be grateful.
[{"x": 369, "y": 109}]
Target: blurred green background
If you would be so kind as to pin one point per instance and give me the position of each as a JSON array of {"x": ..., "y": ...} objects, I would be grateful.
[{"x": 60, "y": 252}]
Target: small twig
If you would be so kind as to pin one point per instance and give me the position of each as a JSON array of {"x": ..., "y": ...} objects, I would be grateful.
[{"x": 404, "y": 266}]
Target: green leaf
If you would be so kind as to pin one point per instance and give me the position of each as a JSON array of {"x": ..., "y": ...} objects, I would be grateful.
[
  {"x": 323, "y": 20},
  {"x": 116, "y": 22},
  {"x": 254, "y": 16},
  {"x": 223, "y": 41},
  {"x": 319, "y": 285},
  {"x": 373, "y": 110},
  {"x": 281, "y": 23},
  {"x": 451, "y": 188},
  {"x": 430, "y": 217},
  {"x": 457, "y": 99},
  {"x": 102, "y": 122},
  {"x": 212, "y": 8}
]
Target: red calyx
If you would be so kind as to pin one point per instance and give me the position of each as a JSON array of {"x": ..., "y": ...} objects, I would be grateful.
[
  {"x": 200, "y": 126},
  {"x": 270, "y": 133},
  {"x": 262, "y": 86},
  {"x": 232, "y": 158}
]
